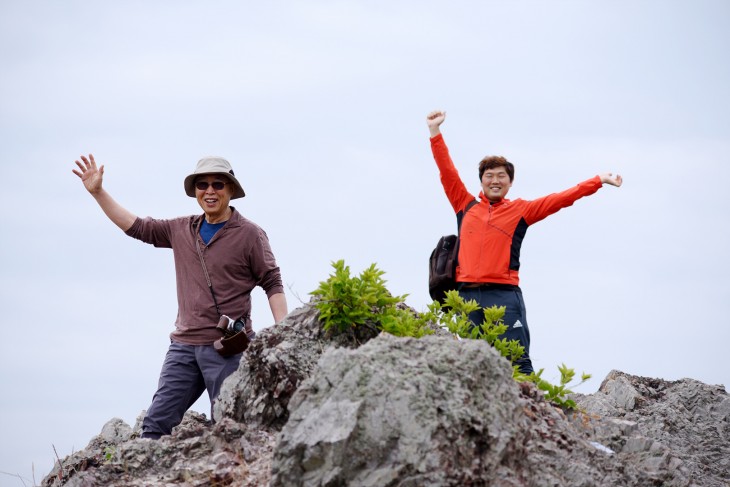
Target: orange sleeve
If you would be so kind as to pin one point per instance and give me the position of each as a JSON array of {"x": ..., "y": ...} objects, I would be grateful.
[
  {"x": 454, "y": 187},
  {"x": 547, "y": 205}
]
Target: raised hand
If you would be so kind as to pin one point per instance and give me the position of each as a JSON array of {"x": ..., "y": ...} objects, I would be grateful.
[
  {"x": 89, "y": 174},
  {"x": 434, "y": 121},
  {"x": 92, "y": 177},
  {"x": 609, "y": 178}
]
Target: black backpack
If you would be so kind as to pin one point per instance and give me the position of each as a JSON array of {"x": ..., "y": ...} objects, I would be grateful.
[{"x": 443, "y": 261}]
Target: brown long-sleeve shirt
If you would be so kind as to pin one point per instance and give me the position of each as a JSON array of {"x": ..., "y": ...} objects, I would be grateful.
[{"x": 238, "y": 258}]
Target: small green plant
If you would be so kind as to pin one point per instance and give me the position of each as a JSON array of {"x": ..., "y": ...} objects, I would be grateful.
[
  {"x": 348, "y": 303},
  {"x": 558, "y": 393},
  {"x": 109, "y": 452}
]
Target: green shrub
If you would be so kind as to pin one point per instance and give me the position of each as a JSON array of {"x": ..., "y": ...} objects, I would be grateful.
[
  {"x": 454, "y": 314},
  {"x": 346, "y": 302},
  {"x": 348, "y": 305}
]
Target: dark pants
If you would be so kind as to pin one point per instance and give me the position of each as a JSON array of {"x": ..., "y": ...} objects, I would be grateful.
[
  {"x": 188, "y": 370},
  {"x": 515, "y": 315}
]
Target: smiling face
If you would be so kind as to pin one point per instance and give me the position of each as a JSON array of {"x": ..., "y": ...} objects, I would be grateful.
[
  {"x": 495, "y": 184},
  {"x": 214, "y": 202}
]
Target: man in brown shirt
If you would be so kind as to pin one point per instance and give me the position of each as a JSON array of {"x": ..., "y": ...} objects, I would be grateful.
[{"x": 220, "y": 257}]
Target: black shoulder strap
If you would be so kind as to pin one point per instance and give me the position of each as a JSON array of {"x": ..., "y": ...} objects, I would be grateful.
[
  {"x": 459, "y": 218},
  {"x": 460, "y": 215}
]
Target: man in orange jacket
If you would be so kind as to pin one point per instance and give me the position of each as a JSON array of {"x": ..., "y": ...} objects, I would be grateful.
[{"x": 492, "y": 232}]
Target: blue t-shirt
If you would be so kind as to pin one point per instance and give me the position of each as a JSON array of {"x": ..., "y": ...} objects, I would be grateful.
[{"x": 207, "y": 230}]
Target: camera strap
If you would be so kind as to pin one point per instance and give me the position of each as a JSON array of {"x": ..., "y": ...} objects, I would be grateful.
[{"x": 207, "y": 276}]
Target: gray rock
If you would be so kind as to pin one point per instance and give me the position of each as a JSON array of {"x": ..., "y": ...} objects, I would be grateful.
[
  {"x": 115, "y": 431},
  {"x": 399, "y": 411},
  {"x": 309, "y": 408},
  {"x": 271, "y": 370},
  {"x": 196, "y": 454},
  {"x": 678, "y": 432},
  {"x": 431, "y": 412}
]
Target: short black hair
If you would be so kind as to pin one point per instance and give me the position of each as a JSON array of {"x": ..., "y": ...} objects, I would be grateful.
[{"x": 493, "y": 162}]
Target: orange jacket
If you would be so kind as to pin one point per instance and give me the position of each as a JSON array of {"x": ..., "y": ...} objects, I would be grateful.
[{"x": 492, "y": 234}]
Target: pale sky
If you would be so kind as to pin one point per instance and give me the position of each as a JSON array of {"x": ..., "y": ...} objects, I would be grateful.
[{"x": 320, "y": 106}]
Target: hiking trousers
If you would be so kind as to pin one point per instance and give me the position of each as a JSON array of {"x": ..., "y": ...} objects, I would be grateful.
[
  {"x": 188, "y": 370},
  {"x": 515, "y": 315}
]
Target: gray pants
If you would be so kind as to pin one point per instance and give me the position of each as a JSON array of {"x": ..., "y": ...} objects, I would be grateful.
[{"x": 188, "y": 370}]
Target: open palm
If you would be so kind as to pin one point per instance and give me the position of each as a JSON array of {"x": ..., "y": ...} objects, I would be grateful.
[{"x": 90, "y": 175}]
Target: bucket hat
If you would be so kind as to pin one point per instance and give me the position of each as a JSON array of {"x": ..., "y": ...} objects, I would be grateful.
[{"x": 213, "y": 165}]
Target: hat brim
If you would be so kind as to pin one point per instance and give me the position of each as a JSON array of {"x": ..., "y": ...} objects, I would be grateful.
[{"x": 189, "y": 184}]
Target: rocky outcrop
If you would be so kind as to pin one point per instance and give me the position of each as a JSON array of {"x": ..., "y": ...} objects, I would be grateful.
[
  {"x": 308, "y": 409},
  {"x": 198, "y": 453},
  {"x": 428, "y": 412},
  {"x": 276, "y": 362},
  {"x": 676, "y": 432}
]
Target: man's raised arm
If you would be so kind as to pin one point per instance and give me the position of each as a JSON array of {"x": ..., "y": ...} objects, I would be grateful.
[
  {"x": 92, "y": 178},
  {"x": 434, "y": 121}
]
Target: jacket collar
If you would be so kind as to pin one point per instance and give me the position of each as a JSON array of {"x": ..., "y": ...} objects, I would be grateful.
[
  {"x": 234, "y": 221},
  {"x": 484, "y": 199}
]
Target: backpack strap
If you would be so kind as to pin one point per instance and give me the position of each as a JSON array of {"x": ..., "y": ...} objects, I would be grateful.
[
  {"x": 459, "y": 218},
  {"x": 460, "y": 215}
]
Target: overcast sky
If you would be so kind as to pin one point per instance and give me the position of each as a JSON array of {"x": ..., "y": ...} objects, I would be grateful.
[{"x": 320, "y": 106}]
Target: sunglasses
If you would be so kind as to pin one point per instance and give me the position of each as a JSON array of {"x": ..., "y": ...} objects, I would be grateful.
[{"x": 203, "y": 185}]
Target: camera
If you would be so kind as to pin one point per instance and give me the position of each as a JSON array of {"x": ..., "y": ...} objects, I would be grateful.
[
  {"x": 231, "y": 327},
  {"x": 235, "y": 339}
]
